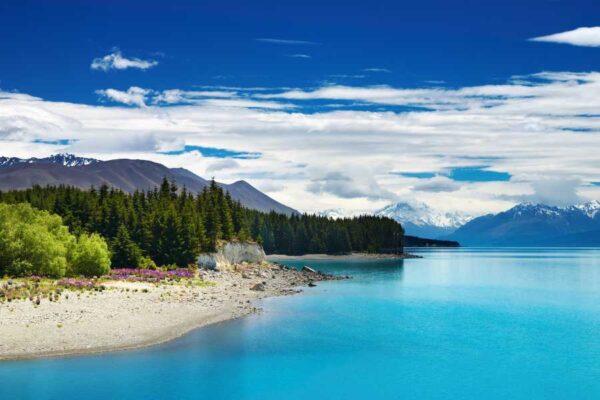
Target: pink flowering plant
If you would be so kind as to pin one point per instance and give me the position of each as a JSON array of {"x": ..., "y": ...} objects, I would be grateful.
[
  {"x": 150, "y": 275},
  {"x": 77, "y": 283}
]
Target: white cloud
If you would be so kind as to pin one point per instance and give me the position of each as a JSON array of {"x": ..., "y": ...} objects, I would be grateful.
[
  {"x": 586, "y": 36},
  {"x": 376, "y": 69},
  {"x": 532, "y": 127},
  {"x": 349, "y": 187},
  {"x": 347, "y": 76},
  {"x": 134, "y": 96},
  {"x": 178, "y": 96},
  {"x": 116, "y": 60},
  {"x": 271, "y": 187},
  {"x": 284, "y": 41},
  {"x": 559, "y": 192},
  {"x": 437, "y": 184},
  {"x": 299, "y": 56},
  {"x": 221, "y": 165}
]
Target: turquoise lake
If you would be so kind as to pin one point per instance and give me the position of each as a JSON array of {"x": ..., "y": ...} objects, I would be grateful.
[{"x": 457, "y": 324}]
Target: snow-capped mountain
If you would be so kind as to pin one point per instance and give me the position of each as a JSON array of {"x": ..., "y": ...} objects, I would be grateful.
[
  {"x": 336, "y": 213},
  {"x": 590, "y": 209},
  {"x": 421, "y": 220},
  {"x": 68, "y": 160},
  {"x": 535, "y": 225}
]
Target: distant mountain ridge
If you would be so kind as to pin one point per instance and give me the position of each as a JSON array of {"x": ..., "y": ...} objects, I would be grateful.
[
  {"x": 125, "y": 174},
  {"x": 418, "y": 219},
  {"x": 534, "y": 225},
  {"x": 68, "y": 160}
]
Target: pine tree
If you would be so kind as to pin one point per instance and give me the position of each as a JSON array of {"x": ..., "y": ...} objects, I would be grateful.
[
  {"x": 125, "y": 253},
  {"x": 172, "y": 226}
]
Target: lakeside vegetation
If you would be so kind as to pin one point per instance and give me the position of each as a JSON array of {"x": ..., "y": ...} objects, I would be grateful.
[
  {"x": 35, "y": 242},
  {"x": 169, "y": 226}
]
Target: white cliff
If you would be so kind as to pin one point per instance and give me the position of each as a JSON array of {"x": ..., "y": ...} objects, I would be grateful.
[{"x": 229, "y": 254}]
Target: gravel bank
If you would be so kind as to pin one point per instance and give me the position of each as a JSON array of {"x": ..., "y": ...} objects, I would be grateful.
[{"x": 132, "y": 314}]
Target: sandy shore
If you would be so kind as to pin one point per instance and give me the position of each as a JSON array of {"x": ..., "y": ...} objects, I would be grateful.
[
  {"x": 352, "y": 256},
  {"x": 119, "y": 318}
]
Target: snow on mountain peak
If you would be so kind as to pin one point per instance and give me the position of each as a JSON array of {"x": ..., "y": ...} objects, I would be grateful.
[
  {"x": 422, "y": 215},
  {"x": 590, "y": 208},
  {"x": 66, "y": 159}
]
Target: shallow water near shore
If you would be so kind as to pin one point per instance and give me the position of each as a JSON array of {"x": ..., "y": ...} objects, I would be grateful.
[{"x": 457, "y": 324}]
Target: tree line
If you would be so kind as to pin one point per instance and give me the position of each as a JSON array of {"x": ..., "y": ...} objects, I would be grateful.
[{"x": 171, "y": 226}]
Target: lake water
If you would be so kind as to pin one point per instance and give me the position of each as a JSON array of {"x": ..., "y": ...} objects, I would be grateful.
[{"x": 457, "y": 324}]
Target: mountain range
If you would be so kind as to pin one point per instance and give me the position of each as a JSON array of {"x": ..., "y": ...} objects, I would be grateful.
[
  {"x": 534, "y": 225},
  {"x": 412, "y": 238},
  {"x": 125, "y": 174},
  {"x": 418, "y": 219}
]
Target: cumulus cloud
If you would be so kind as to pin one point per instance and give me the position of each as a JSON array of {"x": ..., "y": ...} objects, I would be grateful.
[
  {"x": 134, "y": 96},
  {"x": 545, "y": 124},
  {"x": 557, "y": 192},
  {"x": 586, "y": 36},
  {"x": 116, "y": 60}
]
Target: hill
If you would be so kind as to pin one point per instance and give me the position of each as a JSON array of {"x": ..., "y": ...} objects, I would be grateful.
[{"x": 125, "y": 174}]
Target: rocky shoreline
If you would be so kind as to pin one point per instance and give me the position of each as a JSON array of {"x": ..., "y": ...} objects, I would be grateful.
[{"x": 128, "y": 315}]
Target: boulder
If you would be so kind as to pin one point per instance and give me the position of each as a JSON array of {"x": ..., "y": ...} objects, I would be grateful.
[
  {"x": 308, "y": 269},
  {"x": 258, "y": 287}
]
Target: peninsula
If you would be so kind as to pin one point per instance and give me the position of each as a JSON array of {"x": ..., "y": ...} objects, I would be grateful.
[{"x": 133, "y": 308}]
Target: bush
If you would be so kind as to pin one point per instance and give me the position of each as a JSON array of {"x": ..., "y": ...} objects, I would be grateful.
[
  {"x": 32, "y": 242},
  {"x": 147, "y": 263},
  {"x": 90, "y": 256}
]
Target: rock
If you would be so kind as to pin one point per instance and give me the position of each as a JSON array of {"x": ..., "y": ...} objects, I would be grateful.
[
  {"x": 311, "y": 284},
  {"x": 308, "y": 269},
  {"x": 229, "y": 254},
  {"x": 246, "y": 276},
  {"x": 258, "y": 287}
]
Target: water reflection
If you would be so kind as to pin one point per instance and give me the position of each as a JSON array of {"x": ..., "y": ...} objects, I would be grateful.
[{"x": 357, "y": 269}]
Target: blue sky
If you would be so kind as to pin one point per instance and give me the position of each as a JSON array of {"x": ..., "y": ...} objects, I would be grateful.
[
  {"x": 459, "y": 42},
  {"x": 329, "y": 104}
]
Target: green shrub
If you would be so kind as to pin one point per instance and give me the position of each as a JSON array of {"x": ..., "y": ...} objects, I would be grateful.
[
  {"x": 90, "y": 256},
  {"x": 32, "y": 242},
  {"x": 147, "y": 263}
]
